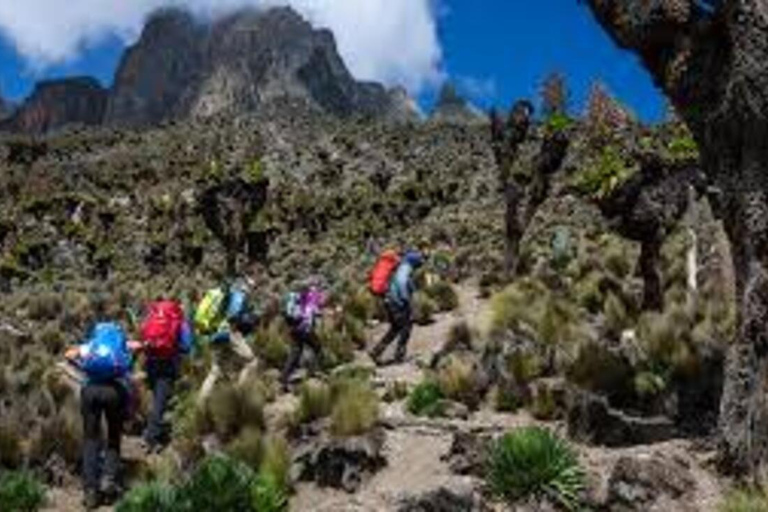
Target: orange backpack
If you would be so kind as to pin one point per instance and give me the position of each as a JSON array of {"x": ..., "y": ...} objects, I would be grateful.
[{"x": 381, "y": 274}]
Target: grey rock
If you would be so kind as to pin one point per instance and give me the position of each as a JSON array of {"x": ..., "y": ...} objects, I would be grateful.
[
  {"x": 454, "y": 498},
  {"x": 343, "y": 463},
  {"x": 591, "y": 420},
  {"x": 637, "y": 483}
]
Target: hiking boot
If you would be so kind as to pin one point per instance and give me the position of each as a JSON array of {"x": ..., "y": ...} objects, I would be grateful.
[
  {"x": 91, "y": 500},
  {"x": 400, "y": 357}
]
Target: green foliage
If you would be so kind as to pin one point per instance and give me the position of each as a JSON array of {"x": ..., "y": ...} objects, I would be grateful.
[
  {"x": 268, "y": 495},
  {"x": 424, "y": 308},
  {"x": 20, "y": 491},
  {"x": 683, "y": 147},
  {"x": 616, "y": 317},
  {"x": 534, "y": 463},
  {"x": 315, "y": 401},
  {"x": 426, "y": 399},
  {"x": 456, "y": 378},
  {"x": 649, "y": 384},
  {"x": 749, "y": 499},
  {"x": 232, "y": 408},
  {"x": 149, "y": 497},
  {"x": 247, "y": 447},
  {"x": 355, "y": 409},
  {"x": 10, "y": 445},
  {"x": 276, "y": 462},
  {"x": 608, "y": 171},
  {"x": 218, "y": 483},
  {"x": 558, "y": 122},
  {"x": 444, "y": 295}
]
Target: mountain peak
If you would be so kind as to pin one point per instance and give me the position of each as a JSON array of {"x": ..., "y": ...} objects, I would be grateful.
[{"x": 453, "y": 108}]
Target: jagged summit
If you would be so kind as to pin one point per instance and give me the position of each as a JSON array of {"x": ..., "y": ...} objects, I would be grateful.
[
  {"x": 56, "y": 103},
  {"x": 453, "y": 108},
  {"x": 182, "y": 67}
]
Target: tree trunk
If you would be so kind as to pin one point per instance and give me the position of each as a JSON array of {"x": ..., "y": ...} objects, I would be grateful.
[
  {"x": 512, "y": 229},
  {"x": 714, "y": 68},
  {"x": 650, "y": 253}
]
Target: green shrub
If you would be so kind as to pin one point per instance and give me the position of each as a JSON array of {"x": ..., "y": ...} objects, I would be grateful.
[
  {"x": 10, "y": 445},
  {"x": 534, "y": 463},
  {"x": 444, "y": 295},
  {"x": 361, "y": 305},
  {"x": 426, "y": 399},
  {"x": 267, "y": 495},
  {"x": 149, "y": 497},
  {"x": 355, "y": 409},
  {"x": 273, "y": 343},
  {"x": 456, "y": 378},
  {"x": 315, "y": 401},
  {"x": 20, "y": 491},
  {"x": 606, "y": 172},
  {"x": 276, "y": 463},
  {"x": 424, "y": 309},
  {"x": 218, "y": 483},
  {"x": 616, "y": 316},
  {"x": 744, "y": 500},
  {"x": 231, "y": 409},
  {"x": 247, "y": 447}
]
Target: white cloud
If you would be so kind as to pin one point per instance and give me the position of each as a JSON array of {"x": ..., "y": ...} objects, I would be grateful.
[
  {"x": 392, "y": 41},
  {"x": 477, "y": 88}
]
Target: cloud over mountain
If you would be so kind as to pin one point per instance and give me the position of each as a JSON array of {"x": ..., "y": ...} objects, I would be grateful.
[{"x": 391, "y": 41}]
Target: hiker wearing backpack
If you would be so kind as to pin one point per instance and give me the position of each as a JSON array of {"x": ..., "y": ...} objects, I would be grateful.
[
  {"x": 301, "y": 310},
  {"x": 166, "y": 336},
  {"x": 224, "y": 318},
  {"x": 105, "y": 359},
  {"x": 392, "y": 278}
]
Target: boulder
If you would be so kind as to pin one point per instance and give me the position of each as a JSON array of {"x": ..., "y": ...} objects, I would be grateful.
[
  {"x": 456, "y": 497},
  {"x": 468, "y": 453},
  {"x": 648, "y": 482},
  {"x": 591, "y": 420},
  {"x": 341, "y": 463}
]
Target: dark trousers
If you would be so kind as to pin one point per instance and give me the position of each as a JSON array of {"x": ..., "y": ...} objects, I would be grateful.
[
  {"x": 102, "y": 401},
  {"x": 161, "y": 377},
  {"x": 401, "y": 325},
  {"x": 300, "y": 340}
]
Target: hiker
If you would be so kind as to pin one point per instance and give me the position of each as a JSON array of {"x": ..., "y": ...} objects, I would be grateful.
[
  {"x": 105, "y": 359},
  {"x": 301, "y": 310},
  {"x": 397, "y": 300},
  {"x": 166, "y": 336},
  {"x": 225, "y": 318}
]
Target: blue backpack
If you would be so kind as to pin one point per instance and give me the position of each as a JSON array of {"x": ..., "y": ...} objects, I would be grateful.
[
  {"x": 237, "y": 303},
  {"x": 106, "y": 355}
]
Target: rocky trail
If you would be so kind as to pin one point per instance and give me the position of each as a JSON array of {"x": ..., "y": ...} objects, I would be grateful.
[{"x": 672, "y": 476}]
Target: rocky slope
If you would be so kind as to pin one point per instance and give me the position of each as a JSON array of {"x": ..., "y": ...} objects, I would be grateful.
[{"x": 57, "y": 103}]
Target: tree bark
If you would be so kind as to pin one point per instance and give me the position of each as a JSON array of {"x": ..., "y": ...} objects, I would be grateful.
[
  {"x": 650, "y": 254},
  {"x": 714, "y": 68}
]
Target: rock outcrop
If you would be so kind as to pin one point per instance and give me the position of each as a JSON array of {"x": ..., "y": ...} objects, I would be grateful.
[
  {"x": 181, "y": 68},
  {"x": 452, "y": 108},
  {"x": 56, "y": 103}
]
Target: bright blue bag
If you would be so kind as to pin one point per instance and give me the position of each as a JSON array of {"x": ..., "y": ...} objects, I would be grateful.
[{"x": 106, "y": 356}]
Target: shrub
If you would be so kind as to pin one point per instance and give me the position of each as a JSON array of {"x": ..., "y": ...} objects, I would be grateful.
[
  {"x": 230, "y": 409},
  {"x": 149, "y": 497},
  {"x": 744, "y": 500},
  {"x": 355, "y": 409},
  {"x": 20, "y": 491},
  {"x": 361, "y": 305},
  {"x": 273, "y": 343},
  {"x": 337, "y": 347},
  {"x": 267, "y": 495},
  {"x": 616, "y": 317},
  {"x": 315, "y": 401},
  {"x": 10, "y": 445},
  {"x": 218, "y": 483},
  {"x": 456, "y": 378},
  {"x": 424, "y": 309},
  {"x": 460, "y": 335},
  {"x": 247, "y": 447},
  {"x": 607, "y": 172},
  {"x": 426, "y": 399},
  {"x": 444, "y": 296},
  {"x": 534, "y": 463},
  {"x": 276, "y": 463}
]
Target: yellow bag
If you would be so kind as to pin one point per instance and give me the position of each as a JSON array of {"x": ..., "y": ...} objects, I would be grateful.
[{"x": 210, "y": 311}]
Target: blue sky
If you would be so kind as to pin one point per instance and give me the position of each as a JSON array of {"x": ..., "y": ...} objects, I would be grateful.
[{"x": 495, "y": 50}]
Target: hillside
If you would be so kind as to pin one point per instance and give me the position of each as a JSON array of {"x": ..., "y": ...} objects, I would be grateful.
[{"x": 586, "y": 375}]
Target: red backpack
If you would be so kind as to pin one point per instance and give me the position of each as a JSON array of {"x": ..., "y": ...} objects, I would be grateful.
[
  {"x": 381, "y": 274},
  {"x": 161, "y": 329}
]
